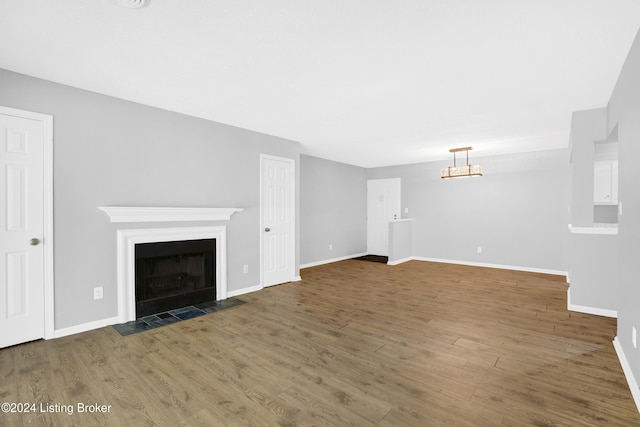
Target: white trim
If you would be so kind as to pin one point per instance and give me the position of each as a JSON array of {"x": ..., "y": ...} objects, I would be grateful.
[
  {"x": 589, "y": 310},
  {"x": 264, "y": 157},
  {"x": 49, "y": 296},
  {"x": 49, "y": 300},
  {"x": 244, "y": 291},
  {"x": 445, "y": 261},
  {"x": 164, "y": 214},
  {"x": 399, "y": 261},
  {"x": 126, "y": 241},
  {"x": 84, "y": 327},
  {"x": 329, "y": 261},
  {"x": 500, "y": 266},
  {"x": 628, "y": 373},
  {"x": 253, "y": 289},
  {"x": 611, "y": 230}
]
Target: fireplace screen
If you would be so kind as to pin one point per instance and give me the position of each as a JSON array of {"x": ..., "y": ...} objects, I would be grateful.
[{"x": 174, "y": 274}]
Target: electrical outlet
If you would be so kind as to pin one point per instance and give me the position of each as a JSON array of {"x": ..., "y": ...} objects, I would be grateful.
[
  {"x": 98, "y": 293},
  {"x": 633, "y": 337},
  {"x": 406, "y": 210},
  {"x": 479, "y": 249},
  {"x": 330, "y": 247},
  {"x": 245, "y": 268}
]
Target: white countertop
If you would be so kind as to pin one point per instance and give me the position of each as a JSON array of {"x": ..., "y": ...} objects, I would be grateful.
[{"x": 596, "y": 228}]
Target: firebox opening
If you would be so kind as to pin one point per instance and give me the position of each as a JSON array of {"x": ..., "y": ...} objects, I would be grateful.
[{"x": 171, "y": 275}]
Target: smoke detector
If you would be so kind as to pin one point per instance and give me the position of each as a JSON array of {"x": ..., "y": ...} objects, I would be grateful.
[{"x": 132, "y": 4}]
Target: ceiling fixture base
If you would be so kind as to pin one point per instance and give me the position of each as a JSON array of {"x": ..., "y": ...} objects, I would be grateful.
[{"x": 132, "y": 4}]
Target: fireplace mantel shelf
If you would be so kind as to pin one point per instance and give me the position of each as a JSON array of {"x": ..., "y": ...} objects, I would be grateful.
[{"x": 164, "y": 214}]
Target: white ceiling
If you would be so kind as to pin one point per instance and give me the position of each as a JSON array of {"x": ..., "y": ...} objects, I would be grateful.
[{"x": 365, "y": 82}]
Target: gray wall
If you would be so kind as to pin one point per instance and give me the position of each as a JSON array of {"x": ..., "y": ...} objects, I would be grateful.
[
  {"x": 333, "y": 210},
  {"x": 400, "y": 240},
  {"x": 624, "y": 111},
  {"x": 587, "y": 127},
  {"x": 593, "y": 267},
  {"x": 592, "y": 258},
  {"x": 517, "y": 211},
  {"x": 110, "y": 152}
]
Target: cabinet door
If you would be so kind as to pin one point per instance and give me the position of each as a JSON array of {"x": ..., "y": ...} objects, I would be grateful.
[{"x": 605, "y": 182}]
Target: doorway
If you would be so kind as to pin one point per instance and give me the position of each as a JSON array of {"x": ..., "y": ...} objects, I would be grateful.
[
  {"x": 277, "y": 220},
  {"x": 383, "y": 205},
  {"x": 26, "y": 231}
]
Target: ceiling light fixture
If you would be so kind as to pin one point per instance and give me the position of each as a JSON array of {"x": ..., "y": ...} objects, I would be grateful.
[
  {"x": 456, "y": 171},
  {"x": 132, "y": 4}
]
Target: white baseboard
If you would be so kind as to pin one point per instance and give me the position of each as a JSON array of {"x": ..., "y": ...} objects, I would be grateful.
[
  {"x": 399, "y": 261},
  {"x": 244, "y": 291},
  {"x": 59, "y": 333},
  {"x": 500, "y": 266},
  {"x": 589, "y": 310},
  {"x": 628, "y": 373},
  {"x": 329, "y": 261},
  {"x": 115, "y": 320},
  {"x": 446, "y": 261},
  {"x": 297, "y": 279}
]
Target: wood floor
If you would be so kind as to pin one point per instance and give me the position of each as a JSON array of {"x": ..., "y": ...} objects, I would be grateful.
[{"x": 353, "y": 344}]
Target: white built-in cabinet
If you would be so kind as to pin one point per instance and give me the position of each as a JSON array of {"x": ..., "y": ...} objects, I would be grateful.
[{"x": 605, "y": 182}]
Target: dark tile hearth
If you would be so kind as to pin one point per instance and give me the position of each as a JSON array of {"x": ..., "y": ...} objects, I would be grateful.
[{"x": 172, "y": 316}]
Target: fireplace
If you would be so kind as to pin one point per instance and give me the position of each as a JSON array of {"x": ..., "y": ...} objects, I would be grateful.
[
  {"x": 129, "y": 239},
  {"x": 174, "y": 274}
]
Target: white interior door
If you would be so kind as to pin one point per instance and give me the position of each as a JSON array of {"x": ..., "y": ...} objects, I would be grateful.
[
  {"x": 383, "y": 205},
  {"x": 22, "y": 230},
  {"x": 277, "y": 209}
]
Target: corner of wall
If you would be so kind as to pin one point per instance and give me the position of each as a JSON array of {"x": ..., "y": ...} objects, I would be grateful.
[{"x": 628, "y": 373}]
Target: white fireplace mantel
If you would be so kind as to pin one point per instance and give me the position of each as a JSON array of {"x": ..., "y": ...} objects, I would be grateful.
[{"x": 162, "y": 214}]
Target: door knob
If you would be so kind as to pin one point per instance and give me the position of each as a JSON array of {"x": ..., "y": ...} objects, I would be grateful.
[
  {"x": 267, "y": 229},
  {"x": 34, "y": 242}
]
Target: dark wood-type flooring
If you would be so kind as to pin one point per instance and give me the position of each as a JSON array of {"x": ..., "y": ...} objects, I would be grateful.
[{"x": 353, "y": 344}]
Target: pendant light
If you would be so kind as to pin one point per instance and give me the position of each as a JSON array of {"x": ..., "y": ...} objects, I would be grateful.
[{"x": 456, "y": 171}]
